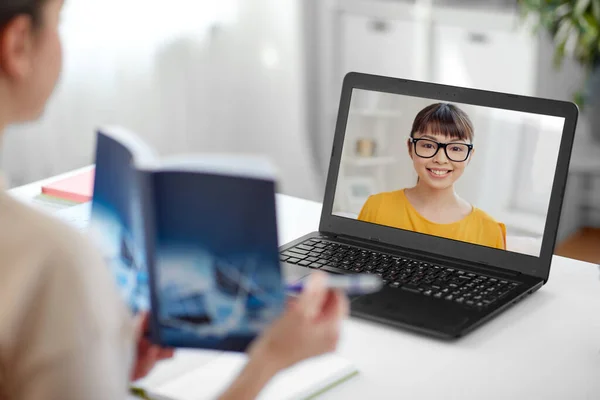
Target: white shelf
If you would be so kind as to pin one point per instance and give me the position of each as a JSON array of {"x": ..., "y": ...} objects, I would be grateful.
[
  {"x": 522, "y": 221},
  {"x": 370, "y": 161}
]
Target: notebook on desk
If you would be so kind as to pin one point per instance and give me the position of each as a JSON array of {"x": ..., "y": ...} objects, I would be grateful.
[
  {"x": 215, "y": 372},
  {"x": 77, "y": 188}
]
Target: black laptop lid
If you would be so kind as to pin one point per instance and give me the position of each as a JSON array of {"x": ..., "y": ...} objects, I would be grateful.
[{"x": 498, "y": 183}]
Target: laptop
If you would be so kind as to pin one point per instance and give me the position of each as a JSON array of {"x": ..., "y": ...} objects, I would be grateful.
[{"x": 452, "y": 195}]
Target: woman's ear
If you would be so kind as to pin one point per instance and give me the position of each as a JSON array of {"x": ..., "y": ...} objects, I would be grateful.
[
  {"x": 471, "y": 156},
  {"x": 409, "y": 147},
  {"x": 16, "y": 44}
]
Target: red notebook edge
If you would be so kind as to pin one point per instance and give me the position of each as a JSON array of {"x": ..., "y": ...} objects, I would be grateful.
[{"x": 76, "y": 188}]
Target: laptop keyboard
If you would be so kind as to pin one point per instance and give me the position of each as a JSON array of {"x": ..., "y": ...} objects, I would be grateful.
[{"x": 427, "y": 279}]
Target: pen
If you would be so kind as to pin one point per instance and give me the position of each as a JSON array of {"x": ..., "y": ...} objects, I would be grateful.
[
  {"x": 352, "y": 284},
  {"x": 140, "y": 393}
]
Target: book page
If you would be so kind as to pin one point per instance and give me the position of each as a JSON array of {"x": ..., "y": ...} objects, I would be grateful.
[
  {"x": 298, "y": 382},
  {"x": 184, "y": 361},
  {"x": 117, "y": 223},
  {"x": 142, "y": 153}
]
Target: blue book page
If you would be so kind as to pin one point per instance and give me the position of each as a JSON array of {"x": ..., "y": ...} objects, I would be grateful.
[
  {"x": 215, "y": 274},
  {"x": 116, "y": 222}
]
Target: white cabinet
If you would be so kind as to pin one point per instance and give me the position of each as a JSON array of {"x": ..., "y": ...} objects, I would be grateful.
[
  {"x": 477, "y": 58},
  {"x": 449, "y": 47},
  {"x": 379, "y": 46},
  {"x": 421, "y": 40}
]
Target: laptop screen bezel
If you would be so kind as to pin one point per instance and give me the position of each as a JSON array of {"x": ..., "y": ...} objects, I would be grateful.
[{"x": 433, "y": 245}]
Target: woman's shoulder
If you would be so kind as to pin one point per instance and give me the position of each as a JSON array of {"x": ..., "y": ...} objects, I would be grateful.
[
  {"x": 38, "y": 240},
  {"x": 33, "y": 228},
  {"x": 485, "y": 218},
  {"x": 55, "y": 277},
  {"x": 386, "y": 196},
  {"x": 42, "y": 252}
]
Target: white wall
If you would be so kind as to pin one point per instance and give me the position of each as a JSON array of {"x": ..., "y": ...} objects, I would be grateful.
[
  {"x": 561, "y": 83},
  {"x": 182, "y": 85}
]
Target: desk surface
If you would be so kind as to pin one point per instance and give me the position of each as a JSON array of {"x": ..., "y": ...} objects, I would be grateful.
[{"x": 546, "y": 347}]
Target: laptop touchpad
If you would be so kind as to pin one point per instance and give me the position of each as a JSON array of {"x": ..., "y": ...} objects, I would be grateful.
[
  {"x": 293, "y": 273},
  {"x": 396, "y": 305}
]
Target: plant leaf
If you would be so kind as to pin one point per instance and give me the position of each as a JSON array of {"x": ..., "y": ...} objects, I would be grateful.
[
  {"x": 559, "y": 55},
  {"x": 528, "y": 4},
  {"x": 596, "y": 10},
  {"x": 574, "y": 26},
  {"x": 563, "y": 10},
  {"x": 589, "y": 29},
  {"x": 581, "y": 7},
  {"x": 591, "y": 24},
  {"x": 565, "y": 27},
  {"x": 579, "y": 99},
  {"x": 589, "y": 34}
]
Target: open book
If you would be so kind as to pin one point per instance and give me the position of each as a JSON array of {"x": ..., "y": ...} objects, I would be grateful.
[
  {"x": 199, "y": 375},
  {"x": 192, "y": 238}
]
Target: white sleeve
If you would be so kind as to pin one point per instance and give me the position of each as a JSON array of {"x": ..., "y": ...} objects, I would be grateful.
[{"x": 75, "y": 340}]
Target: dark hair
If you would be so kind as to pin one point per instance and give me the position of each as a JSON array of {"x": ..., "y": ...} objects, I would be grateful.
[
  {"x": 10, "y": 9},
  {"x": 444, "y": 119}
]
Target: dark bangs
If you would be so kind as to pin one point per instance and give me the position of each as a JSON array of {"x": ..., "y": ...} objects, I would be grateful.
[{"x": 444, "y": 119}]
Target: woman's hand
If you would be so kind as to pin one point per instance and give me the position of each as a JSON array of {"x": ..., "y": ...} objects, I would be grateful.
[
  {"x": 147, "y": 354},
  {"x": 309, "y": 327}
]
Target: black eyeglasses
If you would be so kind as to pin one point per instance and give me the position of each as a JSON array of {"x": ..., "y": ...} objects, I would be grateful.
[{"x": 427, "y": 148}]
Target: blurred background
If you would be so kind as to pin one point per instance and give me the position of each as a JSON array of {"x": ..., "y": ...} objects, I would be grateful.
[{"x": 264, "y": 77}]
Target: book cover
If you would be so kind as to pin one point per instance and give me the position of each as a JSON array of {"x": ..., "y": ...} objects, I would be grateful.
[
  {"x": 214, "y": 262},
  {"x": 192, "y": 239}
]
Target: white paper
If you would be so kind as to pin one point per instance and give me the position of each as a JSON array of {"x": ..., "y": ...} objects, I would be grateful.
[{"x": 298, "y": 382}]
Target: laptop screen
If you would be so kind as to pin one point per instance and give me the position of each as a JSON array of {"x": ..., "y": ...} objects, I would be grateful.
[{"x": 463, "y": 172}]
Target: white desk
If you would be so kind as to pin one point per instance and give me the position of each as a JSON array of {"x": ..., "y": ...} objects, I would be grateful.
[{"x": 546, "y": 347}]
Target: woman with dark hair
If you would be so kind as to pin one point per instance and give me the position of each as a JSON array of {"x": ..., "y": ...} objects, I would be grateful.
[
  {"x": 64, "y": 331},
  {"x": 440, "y": 147}
]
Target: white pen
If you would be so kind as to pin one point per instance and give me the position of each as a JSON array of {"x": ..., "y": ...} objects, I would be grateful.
[{"x": 351, "y": 284}]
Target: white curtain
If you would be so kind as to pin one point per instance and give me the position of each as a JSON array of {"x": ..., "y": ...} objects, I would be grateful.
[{"x": 187, "y": 75}]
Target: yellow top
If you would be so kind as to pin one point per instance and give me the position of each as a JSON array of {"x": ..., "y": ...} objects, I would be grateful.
[{"x": 393, "y": 209}]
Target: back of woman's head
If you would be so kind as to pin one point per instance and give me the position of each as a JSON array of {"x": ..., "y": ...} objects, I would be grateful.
[
  {"x": 30, "y": 56},
  {"x": 444, "y": 119},
  {"x": 9, "y": 9}
]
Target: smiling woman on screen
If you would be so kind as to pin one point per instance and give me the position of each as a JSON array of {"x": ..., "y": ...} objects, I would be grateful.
[{"x": 441, "y": 148}]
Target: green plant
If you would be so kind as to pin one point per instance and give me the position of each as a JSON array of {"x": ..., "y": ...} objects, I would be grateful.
[{"x": 574, "y": 26}]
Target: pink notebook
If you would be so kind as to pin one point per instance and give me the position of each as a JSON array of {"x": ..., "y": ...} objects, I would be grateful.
[{"x": 78, "y": 188}]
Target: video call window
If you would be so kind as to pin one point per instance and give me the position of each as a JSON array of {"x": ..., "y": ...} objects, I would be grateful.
[{"x": 468, "y": 173}]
